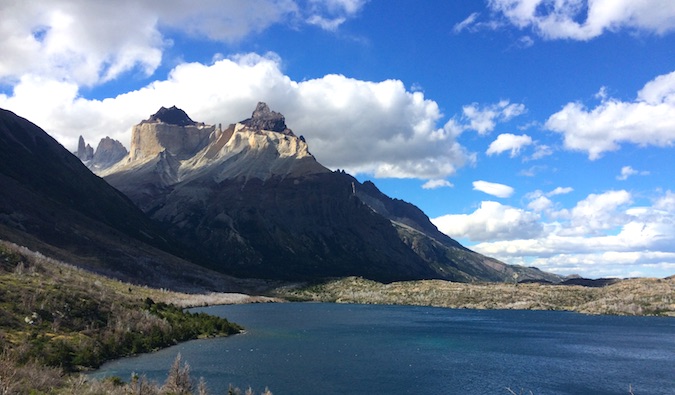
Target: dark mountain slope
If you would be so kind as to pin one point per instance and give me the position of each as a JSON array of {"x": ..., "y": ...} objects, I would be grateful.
[
  {"x": 51, "y": 202},
  {"x": 450, "y": 259},
  {"x": 299, "y": 228}
]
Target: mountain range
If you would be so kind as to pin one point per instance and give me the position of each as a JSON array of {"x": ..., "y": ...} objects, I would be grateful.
[
  {"x": 256, "y": 203},
  {"x": 192, "y": 204}
]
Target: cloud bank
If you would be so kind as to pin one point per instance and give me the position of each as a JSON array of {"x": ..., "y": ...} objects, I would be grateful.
[{"x": 602, "y": 235}]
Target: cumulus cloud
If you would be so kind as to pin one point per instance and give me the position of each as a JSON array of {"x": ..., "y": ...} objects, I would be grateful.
[
  {"x": 493, "y": 188},
  {"x": 378, "y": 128},
  {"x": 491, "y": 221},
  {"x": 598, "y": 212},
  {"x": 509, "y": 142},
  {"x": 585, "y": 20},
  {"x": 646, "y": 121},
  {"x": 91, "y": 42},
  {"x": 603, "y": 234},
  {"x": 540, "y": 203},
  {"x": 434, "y": 184}
]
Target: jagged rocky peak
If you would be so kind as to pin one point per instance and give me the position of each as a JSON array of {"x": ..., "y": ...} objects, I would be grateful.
[
  {"x": 173, "y": 116},
  {"x": 265, "y": 119},
  {"x": 84, "y": 152},
  {"x": 108, "y": 152}
]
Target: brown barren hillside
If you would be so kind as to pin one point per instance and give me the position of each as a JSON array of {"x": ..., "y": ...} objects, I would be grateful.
[{"x": 643, "y": 296}]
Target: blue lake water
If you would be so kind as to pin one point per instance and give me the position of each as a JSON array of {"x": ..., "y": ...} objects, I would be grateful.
[{"x": 317, "y": 348}]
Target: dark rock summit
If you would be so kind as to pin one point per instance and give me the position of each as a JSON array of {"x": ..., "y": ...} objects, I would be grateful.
[
  {"x": 265, "y": 119},
  {"x": 173, "y": 116}
]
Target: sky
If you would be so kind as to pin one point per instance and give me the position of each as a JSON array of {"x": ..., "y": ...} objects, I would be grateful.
[{"x": 538, "y": 132}]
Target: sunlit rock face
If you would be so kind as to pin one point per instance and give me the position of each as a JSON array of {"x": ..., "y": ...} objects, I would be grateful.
[{"x": 169, "y": 130}]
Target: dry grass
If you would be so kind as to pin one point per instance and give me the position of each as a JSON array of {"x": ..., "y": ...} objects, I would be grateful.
[
  {"x": 629, "y": 297},
  {"x": 51, "y": 312}
]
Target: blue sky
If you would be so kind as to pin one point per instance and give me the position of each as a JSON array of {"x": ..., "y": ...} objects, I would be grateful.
[{"x": 539, "y": 132}]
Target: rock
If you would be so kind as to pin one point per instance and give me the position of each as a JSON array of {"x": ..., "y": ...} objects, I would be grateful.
[
  {"x": 172, "y": 116},
  {"x": 84, "y": 152},
  {"x": 108, "y": 152},
  {"x": 171, "y": 130},
  {"x": 265, "y": 119}
]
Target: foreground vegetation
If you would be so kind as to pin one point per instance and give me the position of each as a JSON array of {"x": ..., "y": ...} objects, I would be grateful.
[
  {"x": 627, "y": 297},
  {"x": 56, "y": 319}
]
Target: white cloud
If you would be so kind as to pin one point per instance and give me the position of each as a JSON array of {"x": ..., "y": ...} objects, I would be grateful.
[
  {"x": 666, "y": 202},
  {"x": 509, "y": 142},
  {"x": 585, "y": 20},
  {"x": 484, "y": 119},
  {"x": 466, "y": 23},
  {"x": 491, "y": 221},
  {"x": 598, "y": 212},
  {"x": 434, "y": 184},
  {"x": 627, "y": 171},
  {"x": 647, "y": 121},
  {"x": 378, "y": 128},
  {"x": 325, "y": 23},
  {"x": 493, "y": 188},
  {"x": 539, "y": 204},
  {"x": 91, "y": 42},
  {"x": 560, "y": 191},
  {"x": 601, "y": 235},
  {"x": 541, "y": 151},
  {"x": 330, "y": 14}
]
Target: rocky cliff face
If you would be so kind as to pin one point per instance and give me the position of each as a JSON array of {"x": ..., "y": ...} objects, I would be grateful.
[
  {"x": 255, "y": 202},
  {"x": 169, "y": 130}
]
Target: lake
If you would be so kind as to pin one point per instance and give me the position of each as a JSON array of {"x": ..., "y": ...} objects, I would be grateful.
[{"x": 320, "y": 348}]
